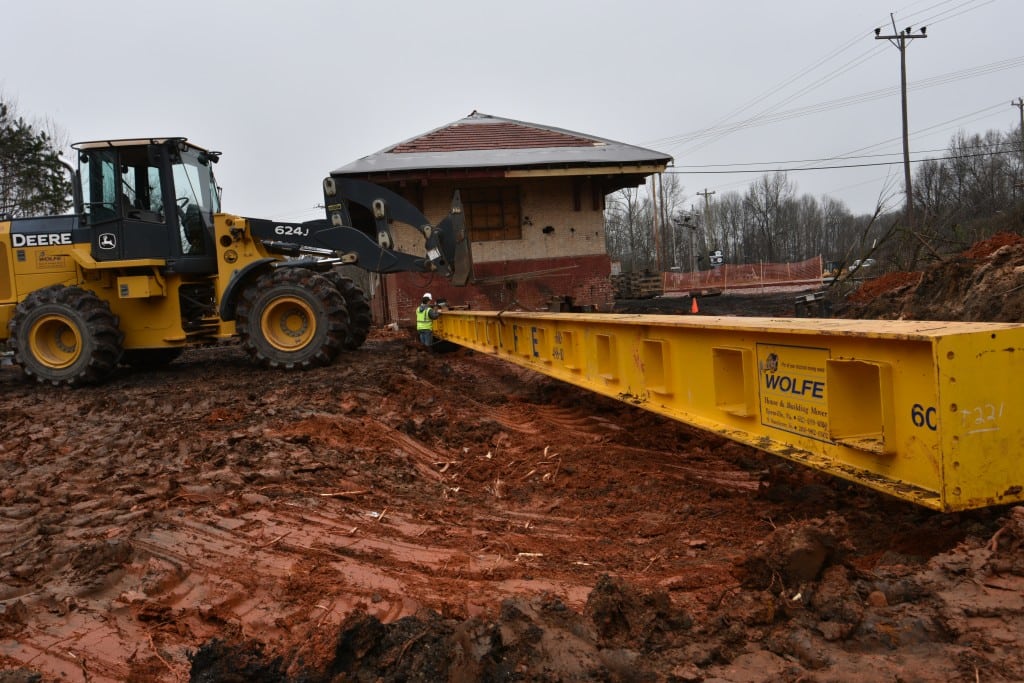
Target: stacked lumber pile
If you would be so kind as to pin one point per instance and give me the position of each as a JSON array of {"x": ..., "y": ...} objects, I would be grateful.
[{"x": 637, "y": 285}]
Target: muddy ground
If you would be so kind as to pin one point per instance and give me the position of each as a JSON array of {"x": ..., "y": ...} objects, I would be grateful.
[{"x": 415, "y": 516}]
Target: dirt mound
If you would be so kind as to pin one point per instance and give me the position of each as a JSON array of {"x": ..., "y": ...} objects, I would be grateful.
[
  {"x": 984, "y": 283},
  {"x": 536, "y": 639},
  {"x": 889, "y": 285},
  {"x": 795, "y": 555},
  {"x": 800, "y": 613}
]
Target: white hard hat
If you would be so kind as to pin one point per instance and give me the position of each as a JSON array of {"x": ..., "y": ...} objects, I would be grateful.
[{"x": 427, "y": 296}]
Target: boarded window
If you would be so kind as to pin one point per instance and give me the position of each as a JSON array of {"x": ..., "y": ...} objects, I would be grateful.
[{"x": 492, "y": 213}]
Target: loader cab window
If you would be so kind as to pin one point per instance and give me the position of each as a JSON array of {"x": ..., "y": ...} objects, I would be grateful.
[
  {"x": 196, "y": 197},
  {"x": 98, "y": 169},
  {"x": 121, "y": 184},
  {"x": 140, "y": 195}
]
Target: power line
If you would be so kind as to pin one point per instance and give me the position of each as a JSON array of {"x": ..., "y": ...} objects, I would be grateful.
[
  {"x": 305, "y": 211},
  {"x": 922, "y": 131},
  {"x": 717, "y": 126},
  {"x": 852, "y": 154},
  {"x": 939, "y": 18},
  {"x": 772, "y": 90},
  {"x": 807, "y": 161},
  {"x": 718, "y": 133},
  {"x": 938, "y": 127},
  {"x": 838, "y": 166},
  {"x": 932, "y": 14},
  {"x": 770, "y": 114},
  {"x": 984, "y": 113},
  {"x": 849, "y": 100},
  {"x": 721, "y": 129}
]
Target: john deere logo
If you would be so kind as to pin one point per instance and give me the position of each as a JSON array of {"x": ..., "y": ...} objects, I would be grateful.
[{"x": 107, "y": 241}]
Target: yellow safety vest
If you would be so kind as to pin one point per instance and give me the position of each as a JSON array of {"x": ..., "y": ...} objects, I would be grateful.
[{"x": 423, "y": 321}]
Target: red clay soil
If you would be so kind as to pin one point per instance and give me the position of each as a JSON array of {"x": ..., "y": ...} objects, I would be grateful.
[
  {"x": 986, "y": 248},
  {"x": 884, "y": 284},
  {"x": 414, "y": 516},
  {"x": 984, "y": 283}
]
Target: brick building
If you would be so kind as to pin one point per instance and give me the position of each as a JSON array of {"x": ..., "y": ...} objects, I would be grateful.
[{"x": 533, "y": 197}]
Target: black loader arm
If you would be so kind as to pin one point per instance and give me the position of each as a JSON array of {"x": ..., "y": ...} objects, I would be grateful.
[
  {"x": 446, "y": 244},
  {"x": 347, "y": 244}
]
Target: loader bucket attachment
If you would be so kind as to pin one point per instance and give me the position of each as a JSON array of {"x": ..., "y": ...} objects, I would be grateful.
[
  {"x": 454, "y": 241},
  {"x": 447, "y": 244}
]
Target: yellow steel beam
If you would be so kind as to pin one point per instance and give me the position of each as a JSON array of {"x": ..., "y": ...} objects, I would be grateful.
[{"x": 931, "y": 412}]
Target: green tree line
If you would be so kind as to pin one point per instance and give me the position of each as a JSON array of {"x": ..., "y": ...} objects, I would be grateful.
[{"x": 33, "y": 182}]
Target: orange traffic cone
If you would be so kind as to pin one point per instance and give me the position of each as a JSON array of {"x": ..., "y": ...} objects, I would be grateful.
[{"x": 694, "y": 308}]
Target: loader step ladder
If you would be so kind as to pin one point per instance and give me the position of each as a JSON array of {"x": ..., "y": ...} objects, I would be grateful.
[{"x": 930, "y": 412}]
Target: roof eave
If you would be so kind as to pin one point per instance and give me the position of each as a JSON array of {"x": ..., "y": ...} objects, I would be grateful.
[{"x": 531, "y": 171}]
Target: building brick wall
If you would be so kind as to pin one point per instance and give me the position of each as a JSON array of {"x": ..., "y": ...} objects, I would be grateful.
[
  {"x": 560, "y": 261},
  {"x": 545, "y": 202}
]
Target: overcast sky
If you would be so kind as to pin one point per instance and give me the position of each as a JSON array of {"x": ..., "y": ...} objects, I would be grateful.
[{"x": 290, "y": 90}]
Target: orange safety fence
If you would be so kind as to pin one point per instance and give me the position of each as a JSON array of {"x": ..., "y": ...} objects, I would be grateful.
[{"x": 744, "y": 276}]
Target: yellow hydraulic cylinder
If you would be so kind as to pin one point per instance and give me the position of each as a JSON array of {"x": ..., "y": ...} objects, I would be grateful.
[{"x": 931, "y": 412}]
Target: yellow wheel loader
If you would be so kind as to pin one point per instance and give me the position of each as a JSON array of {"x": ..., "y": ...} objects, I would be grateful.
[{"x": 148, "y": 265}]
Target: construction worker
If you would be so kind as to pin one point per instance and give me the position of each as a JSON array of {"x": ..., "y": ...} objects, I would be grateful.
[{"x": 426, "y": 314}]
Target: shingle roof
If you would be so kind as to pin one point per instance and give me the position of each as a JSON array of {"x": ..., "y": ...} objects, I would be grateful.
[
  {"x": 497, "y": 134},
  {"x": 484, "y": 141}
]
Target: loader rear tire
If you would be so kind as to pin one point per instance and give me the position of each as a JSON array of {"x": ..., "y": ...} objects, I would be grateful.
[
  {"x": 360, "y": 318},
  {"x": 292, "y": 318},
  {"x": 65, "y": 336}
]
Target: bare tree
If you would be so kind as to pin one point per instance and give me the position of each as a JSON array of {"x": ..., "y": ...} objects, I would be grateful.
[
  {"x": 675, "y": 237},
  {"x": 727, "y": 227},
  {"x": 933, "y": 193},
  {"x": 957, "y": 199},
  {"x": 958, "y": 196},
  {"x": 628, "y": 224},
  {"x": 764, "y": 202}
]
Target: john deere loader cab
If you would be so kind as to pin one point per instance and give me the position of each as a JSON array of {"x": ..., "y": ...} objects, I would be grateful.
[{"x": 150, "y": 199}]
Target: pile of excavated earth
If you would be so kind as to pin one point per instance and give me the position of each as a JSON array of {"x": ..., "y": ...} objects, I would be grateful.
[
  {"x": 412, "y": 516},
  {"x": 984, "y": 283}
]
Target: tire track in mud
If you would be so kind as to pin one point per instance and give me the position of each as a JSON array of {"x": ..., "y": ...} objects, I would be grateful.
[
  {"x": 577, "y": 426},
  {"x": 220, "y": 502},
  {"x": 204, "y": 550}
]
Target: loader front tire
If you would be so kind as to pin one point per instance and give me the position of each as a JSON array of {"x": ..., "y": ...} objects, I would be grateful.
[
  {"x": 292, "y": 318},
  {"x": 65, "y": 336},
  {"x": 360, "y": 318}
]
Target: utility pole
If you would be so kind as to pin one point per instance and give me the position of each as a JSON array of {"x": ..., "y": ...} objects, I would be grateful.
[
  {"x": 1020, "y": 105},
  {"x": 707, "y": 207},
  {"x": 693, "y": 254},
  {"x": 901, "y": 40},
  {"x": 665, "y": 227},
  {"x": 654, "y": 222}
]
